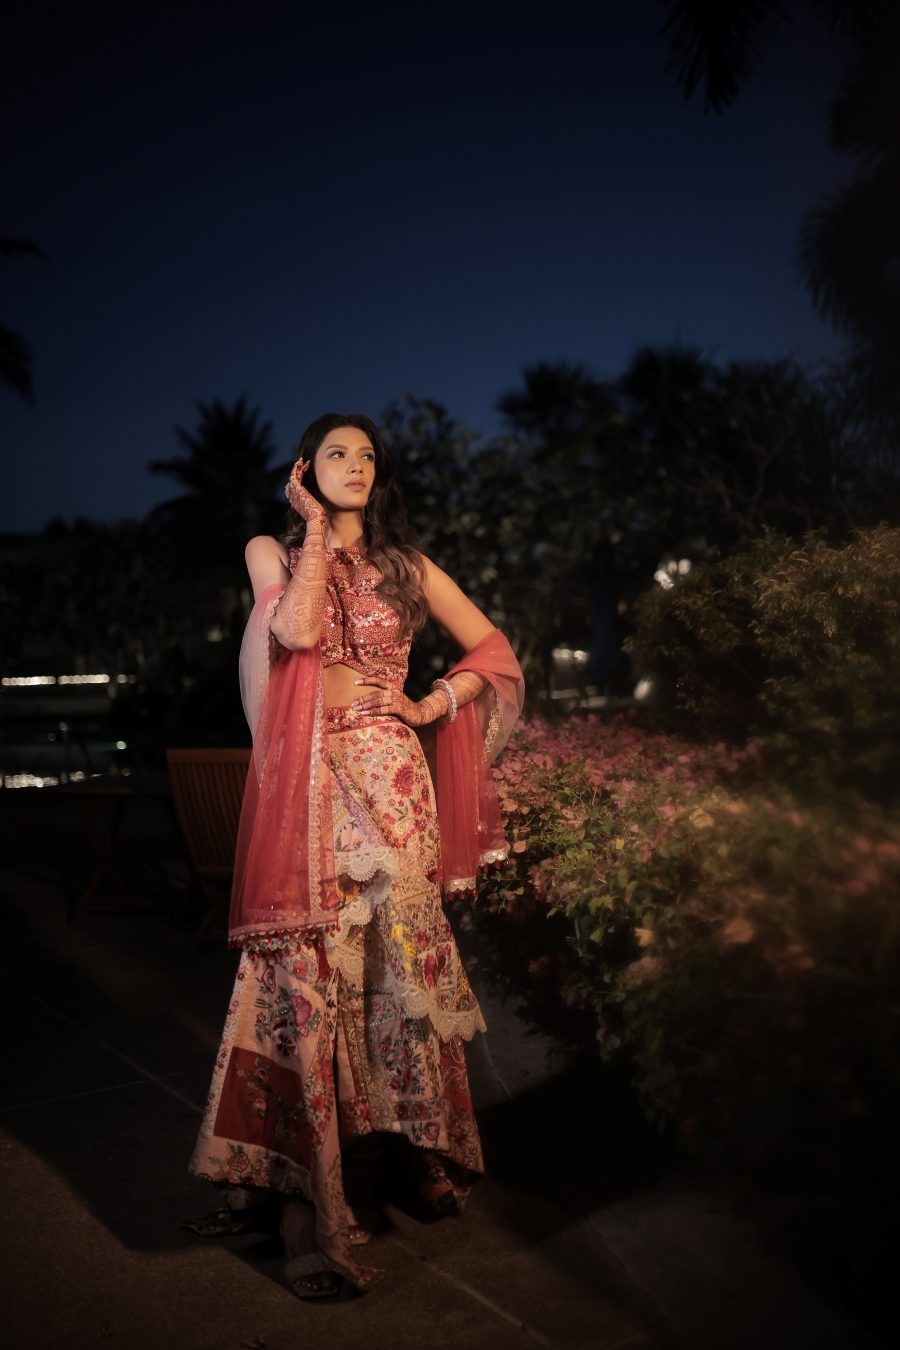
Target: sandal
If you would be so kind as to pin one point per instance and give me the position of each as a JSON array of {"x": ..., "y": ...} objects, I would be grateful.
[
  {"x": 311, "y": 1276},
  {"x": 223, "y": 1223},
  {"x": 437, "y": 1196}
]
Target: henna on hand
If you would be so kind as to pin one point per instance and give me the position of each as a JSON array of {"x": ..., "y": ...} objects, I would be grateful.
[
  {"x": 466, "y": 686},
  {"x": 388, "y": 701},
  {"x": 302, "y": 500}
]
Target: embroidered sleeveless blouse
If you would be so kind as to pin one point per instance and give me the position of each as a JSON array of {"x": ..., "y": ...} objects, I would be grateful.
[{"x": 359, "y": 628}]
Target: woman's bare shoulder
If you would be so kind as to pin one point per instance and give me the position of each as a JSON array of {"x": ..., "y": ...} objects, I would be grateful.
[
  {"x": 267, "y": 563},
  {"x": 265, "y": 546}
]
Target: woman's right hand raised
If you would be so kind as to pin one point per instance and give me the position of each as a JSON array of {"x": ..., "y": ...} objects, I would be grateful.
[{"x": 303, "y": 502}]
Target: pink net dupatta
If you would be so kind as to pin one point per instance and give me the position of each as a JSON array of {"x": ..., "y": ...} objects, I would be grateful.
[
  {"x": 283, "y": 871},
  {"x": 471, "y": 826}
]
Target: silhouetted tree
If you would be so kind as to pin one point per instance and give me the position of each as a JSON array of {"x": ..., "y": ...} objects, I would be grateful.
[
  {"x": 720, "y": 454},
  {"x": 566, "y": 427},
  {"x": 231, "y": 494},
  {"x": 15, "y": 353},
  {"x": 849, "y": 249},
  {"x": 850, "y": 246},
  {"x": 715, "y": 46}
]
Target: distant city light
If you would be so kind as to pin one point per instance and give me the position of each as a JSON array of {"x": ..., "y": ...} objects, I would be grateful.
[
  {"x": 643, "y": 690},
  {"x": 25, "y": 780},
  {"x": 574, "y": 654},
  {"x": 662, "y": 576},
  {"x": 21, "y": 681},
  {"x": 121, "y": 745}
]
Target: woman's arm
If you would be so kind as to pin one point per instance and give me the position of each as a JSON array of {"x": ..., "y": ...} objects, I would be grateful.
[
  {"x": 464, "y": 621},
  {"x": 452, "y": 608},
  {"x": 265, "y": 564},
  {"x": 297, "y": 621}
]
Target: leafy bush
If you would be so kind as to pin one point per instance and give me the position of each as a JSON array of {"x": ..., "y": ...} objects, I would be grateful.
[
  {"x": 797, "y": 647},
  {"x": 739, "y": 951}
]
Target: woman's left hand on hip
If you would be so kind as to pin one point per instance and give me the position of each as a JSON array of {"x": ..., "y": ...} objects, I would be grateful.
[{"x": 386, "y": 701}]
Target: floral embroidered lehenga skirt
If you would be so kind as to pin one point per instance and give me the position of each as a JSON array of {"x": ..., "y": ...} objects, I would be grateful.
[{"x": 360, "y": 1030}]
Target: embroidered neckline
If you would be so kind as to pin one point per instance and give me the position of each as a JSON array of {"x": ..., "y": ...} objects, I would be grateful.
[{"x": 351, "y": 551}]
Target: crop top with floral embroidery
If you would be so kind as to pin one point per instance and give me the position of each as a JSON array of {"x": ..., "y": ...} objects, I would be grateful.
[{"x": 359, "y": 628}]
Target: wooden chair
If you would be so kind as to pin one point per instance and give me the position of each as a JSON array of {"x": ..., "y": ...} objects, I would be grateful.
[{"x": 207, "y": 790}]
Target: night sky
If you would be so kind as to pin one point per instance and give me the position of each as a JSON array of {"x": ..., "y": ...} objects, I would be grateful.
[{"x": 326, "y": 206}]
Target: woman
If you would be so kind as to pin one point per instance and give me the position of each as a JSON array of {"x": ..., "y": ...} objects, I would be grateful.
[{"x": 351, "y": 1005}]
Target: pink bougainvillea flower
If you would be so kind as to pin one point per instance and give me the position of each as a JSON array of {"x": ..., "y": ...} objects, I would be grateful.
[
  {"x": 739, "y": 930},
  {"x": 540, "y": 966},
  {"x": 798, "y": 958},
  {"x": 537, "y": 878},
  {"x": 644, "y": 969}
]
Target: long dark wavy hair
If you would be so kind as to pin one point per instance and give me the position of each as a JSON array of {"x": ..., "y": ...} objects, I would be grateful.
[{"x": 388, "y": 540}]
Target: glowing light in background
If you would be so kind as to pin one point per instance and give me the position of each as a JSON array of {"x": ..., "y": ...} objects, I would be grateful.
[
  {"x": 667, "y": 571},
  {"x": 20, "y": 681}
]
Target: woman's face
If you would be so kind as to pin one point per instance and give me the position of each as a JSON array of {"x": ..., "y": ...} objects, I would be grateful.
[{"x": 345, "y": 468}]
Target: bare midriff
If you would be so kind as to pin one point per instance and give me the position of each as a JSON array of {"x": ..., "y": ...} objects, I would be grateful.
[{"x": 341, "y": 687}]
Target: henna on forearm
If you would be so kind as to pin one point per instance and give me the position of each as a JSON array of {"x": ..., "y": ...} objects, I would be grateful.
[
  {"x": 428, "y": 709},
  {"x": 297, "y": 621},
  {"x": 466, "y": 686}
]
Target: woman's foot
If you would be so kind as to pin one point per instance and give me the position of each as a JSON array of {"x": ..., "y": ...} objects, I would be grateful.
[
  {"x": 222, "y": 1223},
  {"x": 361, "y": 1223},
  {"x": 310, "y": 1276},
  {"x": 246, "y": 1210},
  {"x": 437, "y": 1197},
  {"x": 307, "y": 1272}
]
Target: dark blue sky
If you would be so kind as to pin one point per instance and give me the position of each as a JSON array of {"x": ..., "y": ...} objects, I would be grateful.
[{"x": 327, "y": 206}]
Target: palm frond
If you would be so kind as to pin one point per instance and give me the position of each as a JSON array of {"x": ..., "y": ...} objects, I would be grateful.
[
  {"x": 15, "y": 363},
  {"x": 10, "y": 246},
  {"x": 713, "y": 45}
]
